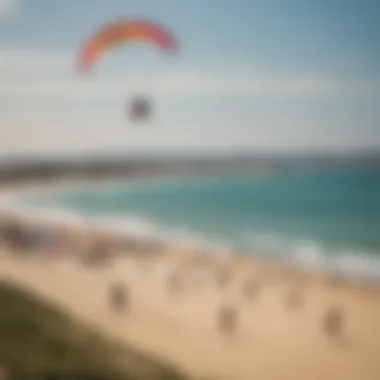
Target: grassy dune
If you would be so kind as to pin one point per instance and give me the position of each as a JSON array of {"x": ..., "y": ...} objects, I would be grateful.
[{"x": 37, "y": 341}]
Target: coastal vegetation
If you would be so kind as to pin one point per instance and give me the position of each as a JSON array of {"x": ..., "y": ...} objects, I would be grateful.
[{"x": 39, "y": 342}]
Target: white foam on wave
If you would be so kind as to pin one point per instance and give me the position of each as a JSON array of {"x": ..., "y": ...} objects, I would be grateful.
[
  {"x": 140, "y": 226},
  {"x": 346, "y": 261},
  {"x": 306, "y": 253},
  {"x": 313, "y": 255}
]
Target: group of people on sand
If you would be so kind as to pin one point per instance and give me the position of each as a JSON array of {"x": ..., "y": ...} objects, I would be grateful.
[
  {"x": 93, "y": 247},
  {"x": 26, "y": 236},
  {"x": 20, "y": 237},
  {"x": 227, "y": 318}
]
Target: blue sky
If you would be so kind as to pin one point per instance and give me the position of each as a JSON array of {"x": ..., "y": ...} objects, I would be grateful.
[{"x": 250, "y": 74}]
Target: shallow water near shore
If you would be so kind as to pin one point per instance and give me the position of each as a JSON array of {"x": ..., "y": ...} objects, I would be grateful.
[{"x": 315, "y": 218}]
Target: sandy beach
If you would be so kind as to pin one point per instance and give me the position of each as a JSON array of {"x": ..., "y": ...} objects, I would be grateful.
[
  {"x": 273, "y": 338},
  {"x": 279, "y": 325}
]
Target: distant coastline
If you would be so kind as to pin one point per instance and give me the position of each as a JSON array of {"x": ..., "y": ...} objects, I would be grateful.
[{"x": 18, "y": 171}]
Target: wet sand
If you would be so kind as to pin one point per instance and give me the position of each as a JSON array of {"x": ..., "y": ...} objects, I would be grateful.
[{"x": 279, "y": 330}]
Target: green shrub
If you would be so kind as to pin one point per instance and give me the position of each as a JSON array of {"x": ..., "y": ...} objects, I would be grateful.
[{"x": 39, "y": 342}]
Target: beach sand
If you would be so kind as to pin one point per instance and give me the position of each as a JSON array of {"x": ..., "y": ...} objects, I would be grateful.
[{"x": 174, "y": 304}]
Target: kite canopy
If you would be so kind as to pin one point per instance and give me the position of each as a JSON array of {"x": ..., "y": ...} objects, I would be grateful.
[{"x": 124, "y": 32}]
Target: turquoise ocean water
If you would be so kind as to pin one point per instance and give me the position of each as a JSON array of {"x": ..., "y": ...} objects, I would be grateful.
[{"x": 316, "y": 218}]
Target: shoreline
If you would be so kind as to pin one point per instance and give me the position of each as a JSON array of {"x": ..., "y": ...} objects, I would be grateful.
[
  {"x": 178, "y": 295},
  {"x": 194, "y": 244}
]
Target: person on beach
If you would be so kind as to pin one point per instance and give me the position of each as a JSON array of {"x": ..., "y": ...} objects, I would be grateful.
[
  {"x": 227, "y": 319},
  {"x": 3, "y": 224},
  {"x": 15, "y": 236},
  {"x": 98, "y": 250},
  {"x": 118, "y": 297},
  {"x": 333, "y": 322}
]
